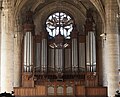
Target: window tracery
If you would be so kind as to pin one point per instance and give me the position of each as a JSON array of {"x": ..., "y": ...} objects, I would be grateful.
[{"x": 59, "y": 23}]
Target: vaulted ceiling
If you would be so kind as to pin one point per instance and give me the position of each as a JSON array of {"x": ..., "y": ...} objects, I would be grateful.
[{"x": 37, "y": 5}]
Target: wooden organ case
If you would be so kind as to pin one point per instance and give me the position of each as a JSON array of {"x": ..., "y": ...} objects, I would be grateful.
[{"x": 72, "y": 76}]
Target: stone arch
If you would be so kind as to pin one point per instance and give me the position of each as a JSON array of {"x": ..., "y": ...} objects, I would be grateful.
[{"x": 21, "y": 3}]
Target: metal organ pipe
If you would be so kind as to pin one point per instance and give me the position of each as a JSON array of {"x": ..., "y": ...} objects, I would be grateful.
[
  {"x": 90, "y": 41},
  {"x": 59, "y": 60},
  {"x": 87, "y": 51},
  {"x": 25, "y": 53},
  {"x": 67, "y": 59},
  {"x": 74, "y": 54},
  {"x": 28, "y": 52},
  {"x": 31, "y": 52},
  {"x": 94, "y": 50},
  {"x": 74, "y": 50},
  {"x": 56, "y": 59},
  {"x": 51, "y": 59},
  {"x": 52, "y": 66},
  {"x": 44, "y": 56},
  {"x": 28, "y": 27},
  {"x": 38, "y": 54},
  {"x": 82, "y": 56},
  {"x": 91, "y": 52}
]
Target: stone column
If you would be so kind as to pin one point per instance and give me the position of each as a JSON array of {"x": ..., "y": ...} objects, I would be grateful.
[
  {"x": 111, "y": 54},
  {"x": 0, "y": 48},
  {"x": 7, "y": 57},
  {"x": 119, "y": 44},
  {"x": 17, "y": 55}
]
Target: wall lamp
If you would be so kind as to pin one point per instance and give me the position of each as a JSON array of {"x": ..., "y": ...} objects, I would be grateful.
[{"x": 103, "y": 35}]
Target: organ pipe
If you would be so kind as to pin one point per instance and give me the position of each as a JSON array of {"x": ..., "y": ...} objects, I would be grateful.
[
  {"x": 74, "y": 51},
  {"x": 90, "y": 42},
  {"x": 91, "y": 51},
  {"x": 74, "y": 55},
  {"x": 82, "y": 56},
  {"x": 67, "y": 59},
  {"x": 38, "y": 56},
  {"x": 44, "y": 53},
  {"x": 28, "y": 52},
  {"x": 59, "y": 60},
  {"x": 28, "y": 42},
  {"x": 51, "y": 59}
]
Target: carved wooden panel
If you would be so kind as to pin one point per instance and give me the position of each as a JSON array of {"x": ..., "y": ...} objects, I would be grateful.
[
  {"x": 25, "y": 91},
  {"x": 22, "y": 91},
  {"x": 95, "y": 91},
  {"x": 91, "y": 79},
  {"x": 40, "y": 90},
  {"x": 27, "y": 80},
  {"x": 80, "y": 90}
]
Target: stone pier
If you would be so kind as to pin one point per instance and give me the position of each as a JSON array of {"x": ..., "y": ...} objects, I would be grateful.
[
  {"x": 111, "y": 49},
  {"x": 7, "y": 58}
]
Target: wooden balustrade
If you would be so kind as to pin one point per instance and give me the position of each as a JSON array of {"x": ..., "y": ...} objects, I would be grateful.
[
  {"x": 33, "y": 91},
  {"x": 96, "y": 91},
  {"x": 91, "y": 91},
  {"x": 80, "y": 91}
]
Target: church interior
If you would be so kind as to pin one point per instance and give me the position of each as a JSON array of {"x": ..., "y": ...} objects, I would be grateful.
[{"x": 64, "y": 48}]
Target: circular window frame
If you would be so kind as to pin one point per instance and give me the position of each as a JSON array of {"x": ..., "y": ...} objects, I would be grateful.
[{"x": 62, "y": 27}]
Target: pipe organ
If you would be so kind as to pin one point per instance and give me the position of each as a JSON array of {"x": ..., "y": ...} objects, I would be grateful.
[
  {"x": 53, "y": 61},
  {"x": 59, "y": 58}
]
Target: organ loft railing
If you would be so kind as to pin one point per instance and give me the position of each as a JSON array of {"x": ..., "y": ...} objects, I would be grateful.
[{"x": 59, "y": 53}]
